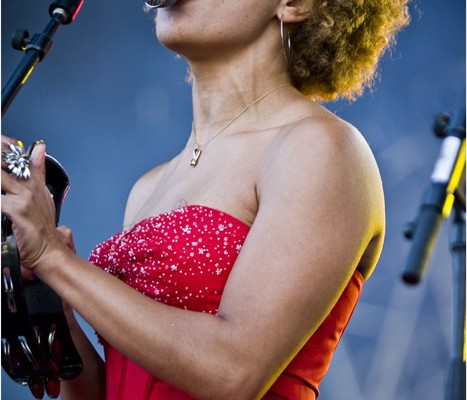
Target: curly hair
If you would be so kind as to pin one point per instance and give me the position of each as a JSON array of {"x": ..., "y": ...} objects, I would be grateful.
[{"x": 335, "y": 51}]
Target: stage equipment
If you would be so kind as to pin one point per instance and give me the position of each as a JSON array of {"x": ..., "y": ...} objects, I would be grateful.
[
  {"x": 446, "y": 192},
  {"x": 37, "y": 348}
]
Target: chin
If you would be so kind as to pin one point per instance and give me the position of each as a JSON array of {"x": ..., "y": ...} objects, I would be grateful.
[
  {"x": 180, "y": 40},
  {"x": 174, "y": 43}
]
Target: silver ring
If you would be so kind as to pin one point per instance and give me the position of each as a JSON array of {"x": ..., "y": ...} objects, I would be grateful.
[{"x": 17, "y": 161}]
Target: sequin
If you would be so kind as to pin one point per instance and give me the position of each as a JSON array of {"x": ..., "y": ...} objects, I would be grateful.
[
  {"x": 166, "y": 258},
  {"x": 176, "y": 258}
]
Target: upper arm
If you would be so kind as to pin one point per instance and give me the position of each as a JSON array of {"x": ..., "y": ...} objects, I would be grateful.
[{"x": 317, "y": 215}]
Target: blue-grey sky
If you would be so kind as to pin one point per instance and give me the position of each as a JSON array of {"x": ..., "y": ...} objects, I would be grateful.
[{"x": 111, "y": 103}]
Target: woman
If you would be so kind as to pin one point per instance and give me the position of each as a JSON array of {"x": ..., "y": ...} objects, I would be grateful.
[{"x": 256, "y": 239}]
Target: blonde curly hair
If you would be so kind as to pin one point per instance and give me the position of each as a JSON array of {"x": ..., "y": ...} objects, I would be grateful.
[{"x": 335, "y": 51}]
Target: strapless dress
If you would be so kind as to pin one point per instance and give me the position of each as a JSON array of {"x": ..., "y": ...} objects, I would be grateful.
[{"x": 183, "y": 258}]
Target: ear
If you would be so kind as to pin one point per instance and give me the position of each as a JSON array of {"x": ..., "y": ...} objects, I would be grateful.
[{"x": 293, "y": 11}]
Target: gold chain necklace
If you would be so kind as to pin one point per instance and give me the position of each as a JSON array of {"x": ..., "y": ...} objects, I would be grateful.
[{"x": 197, "y": 147}]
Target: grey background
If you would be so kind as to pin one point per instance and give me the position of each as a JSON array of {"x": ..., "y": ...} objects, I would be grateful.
[{"x": 111, "y": 103}]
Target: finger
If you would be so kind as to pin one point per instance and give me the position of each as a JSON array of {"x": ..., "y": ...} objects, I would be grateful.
[
  {"x": 38, "y": 157},
  {"x": 7, "y": 140},
  {"x": 66, "y": 235},
  {"x": 14, "y": 195},
  {"x": 27, "y": 275},
  {"x": 10, "y": 183}
]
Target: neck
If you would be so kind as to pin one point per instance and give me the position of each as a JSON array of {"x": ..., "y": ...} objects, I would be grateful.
[
  {"x": 197, "y": 150},
  {"x": 222, "y": 92},
  {"x": 225, "y": 82}
]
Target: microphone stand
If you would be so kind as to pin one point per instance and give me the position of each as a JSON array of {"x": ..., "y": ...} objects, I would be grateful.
[
  {"x": 37, "y": 347},
  {"x": 443, "y": 195},
  {"x": 62, "y": 12},
  {"x": 455, "y": 388}
]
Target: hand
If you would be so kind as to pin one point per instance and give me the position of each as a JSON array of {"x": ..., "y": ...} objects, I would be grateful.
[
  {"x": 29, "y": 205},
  {"x": 66, "y": 236},
  {"x": 6, "y": 141}
]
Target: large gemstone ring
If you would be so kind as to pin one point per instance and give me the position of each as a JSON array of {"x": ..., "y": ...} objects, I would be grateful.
[{"x": 17, "y": 161}]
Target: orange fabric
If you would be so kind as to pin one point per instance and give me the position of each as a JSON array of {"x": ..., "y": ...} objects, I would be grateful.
[{"x": 302, "y": 376}]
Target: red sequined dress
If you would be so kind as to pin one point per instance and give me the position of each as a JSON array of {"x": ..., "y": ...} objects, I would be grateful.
[{"x": 183, "y": 259}]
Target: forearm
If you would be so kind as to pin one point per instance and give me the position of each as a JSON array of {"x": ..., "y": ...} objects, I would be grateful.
[{"x": 90, "y": 384}]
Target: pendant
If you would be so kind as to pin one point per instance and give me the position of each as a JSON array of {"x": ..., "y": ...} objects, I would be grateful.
[{"x": 196, "y": 155}]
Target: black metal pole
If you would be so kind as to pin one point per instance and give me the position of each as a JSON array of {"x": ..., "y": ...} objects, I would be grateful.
[
  {"x": 36, "y": 50},
  {"x": 62, "y": 12},
  {"x": 455, "y": 386}
]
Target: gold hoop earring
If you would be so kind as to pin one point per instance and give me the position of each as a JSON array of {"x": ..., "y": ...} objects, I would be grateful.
[{"x": 285, "y": 42}]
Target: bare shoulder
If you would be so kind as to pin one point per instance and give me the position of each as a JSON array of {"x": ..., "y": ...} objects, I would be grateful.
[
  {"x": 321, "y": 171},
  {"x": 317, "y": 137},
  {"x": 322, "y": 145},
  {"x": 141, "y": 191}
]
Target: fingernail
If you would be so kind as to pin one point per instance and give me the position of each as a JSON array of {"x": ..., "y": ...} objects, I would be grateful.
[{"x": 34, "y": 144}]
